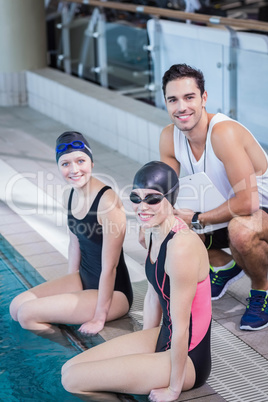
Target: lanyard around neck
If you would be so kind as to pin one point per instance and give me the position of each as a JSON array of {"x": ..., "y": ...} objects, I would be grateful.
[{"x": 188, "y": 152}]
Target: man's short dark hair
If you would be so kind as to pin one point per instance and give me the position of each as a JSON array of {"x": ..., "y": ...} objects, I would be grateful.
[{"x": 178, "y": 71}]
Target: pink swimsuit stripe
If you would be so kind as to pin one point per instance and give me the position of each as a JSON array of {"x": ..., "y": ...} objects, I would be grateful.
[
  {"x": 201, "y": 312},
  {"x": 161, "y": 288},
  {"x": 180, "y": 225}
]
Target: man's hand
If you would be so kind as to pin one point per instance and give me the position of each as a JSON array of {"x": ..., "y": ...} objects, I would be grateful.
[{"x": 185, "y": 214}]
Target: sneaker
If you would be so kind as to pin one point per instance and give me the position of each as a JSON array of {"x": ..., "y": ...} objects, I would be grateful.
[
  {"x": 256, "y": 315},
  {"x": 222, "y": 279}
]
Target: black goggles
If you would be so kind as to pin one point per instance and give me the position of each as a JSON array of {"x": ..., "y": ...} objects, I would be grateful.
[
  {"x": 77, "y": 144},
  {"x": 150, "y": 199},
  {"x": 153, "y": 198}
]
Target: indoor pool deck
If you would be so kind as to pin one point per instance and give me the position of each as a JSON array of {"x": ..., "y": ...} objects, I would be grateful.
[{"x": 33, "y": 222}]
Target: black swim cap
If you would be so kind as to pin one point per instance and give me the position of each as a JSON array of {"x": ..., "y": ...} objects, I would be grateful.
[
  {"x": 67, "y": 138},
  {"x": 158, "y": 176}
]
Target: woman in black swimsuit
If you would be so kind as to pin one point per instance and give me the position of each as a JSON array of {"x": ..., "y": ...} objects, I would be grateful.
[
  {"x": 97, "y": 288},
  {"x": 168, "y": 355}
]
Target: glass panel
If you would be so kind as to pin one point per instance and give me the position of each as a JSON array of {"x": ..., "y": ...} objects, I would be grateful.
[
  {"x": 198, "y": 46},
  {"x": 252, "y": 90},
  {"x": 128, "y": 63},
  {"x": 83, "y": 49}
]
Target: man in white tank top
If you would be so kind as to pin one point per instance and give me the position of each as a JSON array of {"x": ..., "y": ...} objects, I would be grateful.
[{"x": 227, "y": 152}]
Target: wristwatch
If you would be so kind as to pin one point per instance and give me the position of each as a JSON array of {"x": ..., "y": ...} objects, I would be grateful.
[{"x": 195, "y": 221}]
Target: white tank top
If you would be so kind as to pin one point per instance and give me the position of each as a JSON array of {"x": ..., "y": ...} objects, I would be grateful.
[{"x": 211, "y": 165}]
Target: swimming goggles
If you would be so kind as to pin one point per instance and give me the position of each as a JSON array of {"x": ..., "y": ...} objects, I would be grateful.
[
  {"x": 150, "y": 199},
  {"x": 74, "y": 144}
]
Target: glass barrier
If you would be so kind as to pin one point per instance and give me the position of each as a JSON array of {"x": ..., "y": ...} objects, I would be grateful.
[
  {"x": 127, "y": 58},
  {"x": 131, "y": 55},
  {"x": 115, "y": 50},
  {"x": 205, "y": 48},
  {"x": 252, "y": 90},
  {"x": 235, "y": 66}
]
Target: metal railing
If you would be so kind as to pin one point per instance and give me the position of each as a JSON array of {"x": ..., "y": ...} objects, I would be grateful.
[{"x": 179, "y": 15}]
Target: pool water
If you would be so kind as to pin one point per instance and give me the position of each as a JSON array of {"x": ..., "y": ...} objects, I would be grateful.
[{"x": 30, "y": 365}]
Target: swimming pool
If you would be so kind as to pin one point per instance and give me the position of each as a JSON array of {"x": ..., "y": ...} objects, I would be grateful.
[{"x": 30, "y": 365}]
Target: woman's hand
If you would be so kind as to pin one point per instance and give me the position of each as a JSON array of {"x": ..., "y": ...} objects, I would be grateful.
[
  {"x": 91, "y": 327},
  {"x": 163, "y": 395}
]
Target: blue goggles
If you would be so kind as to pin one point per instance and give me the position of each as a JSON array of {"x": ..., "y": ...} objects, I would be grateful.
[{"x": 74, "y": 144}]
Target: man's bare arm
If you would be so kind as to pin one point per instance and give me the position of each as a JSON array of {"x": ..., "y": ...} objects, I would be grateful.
[
  {"x": 228, "y": 144},
  {"x": 166, "y": 148}
]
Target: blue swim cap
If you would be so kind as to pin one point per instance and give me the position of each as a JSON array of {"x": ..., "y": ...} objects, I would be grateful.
[{"x": 158, "y": 176}]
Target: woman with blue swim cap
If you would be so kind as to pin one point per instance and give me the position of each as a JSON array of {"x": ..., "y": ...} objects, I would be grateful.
[
  {"x": 172, "y": 352},
  {"x": 97, "y": 288}
]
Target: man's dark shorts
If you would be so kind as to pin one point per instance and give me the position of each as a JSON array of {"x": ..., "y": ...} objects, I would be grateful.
[{"x": 219, "y": 238}]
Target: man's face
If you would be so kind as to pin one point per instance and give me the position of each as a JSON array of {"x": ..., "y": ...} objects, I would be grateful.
[{"x": 184, "y": 103}]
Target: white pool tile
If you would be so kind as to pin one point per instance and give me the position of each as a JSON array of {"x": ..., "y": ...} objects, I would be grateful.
[
  {"x": 154, "y": 137},
  {"x": 122, "y": 145},
  {"x": 132, "y": 128},
  {"x": 133, "y": 150},
  {"x": 143, "y": 156},
  {"x": 121, "y": 123},
  {"x": 142, "y": 132}
]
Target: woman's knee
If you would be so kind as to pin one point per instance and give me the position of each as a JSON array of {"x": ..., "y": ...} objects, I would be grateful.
[
  {"x": 66, "y": 366},
  {"x": 68, "y": 380},
  {"x": 17, "y": 302},
  {"x": 25, "y": 316},
  {"x": 13, "y": 308},
  {"x": 65, "y": 381}
]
